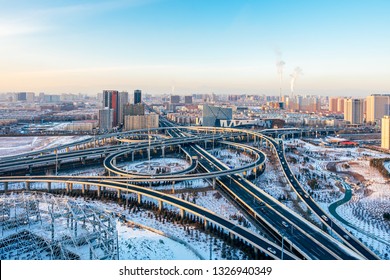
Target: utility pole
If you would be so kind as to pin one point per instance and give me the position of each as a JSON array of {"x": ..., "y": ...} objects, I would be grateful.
[
  {"x": 56, "y": 151},
  {"x": 211, "y": 247}
]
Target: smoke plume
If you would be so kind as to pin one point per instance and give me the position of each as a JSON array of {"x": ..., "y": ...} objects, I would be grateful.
[
  {"x": 294, "y": 76},
  {"x": 279, "y": 67}
]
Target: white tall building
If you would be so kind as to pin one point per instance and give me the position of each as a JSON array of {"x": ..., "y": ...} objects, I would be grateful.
[
  {"x": 385, "y": 132},
  {"x": 377, "y": 107},
  {"x": 141, "y": 122},
  {"x": 106, "y": 117},
  {"x": 354, "y": 111}
]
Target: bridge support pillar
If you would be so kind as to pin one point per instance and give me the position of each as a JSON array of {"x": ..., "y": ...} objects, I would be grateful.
[
  {"x": 231, "y": 234},
  {"x": 160, "y": 205},
  {"x": 148, "y": 153},
  {"x": 173, "y": 187},
  {"x": 132, "y": 156},
  {"x": 205, "y": 145},
  {"x": 206, "y": 224},
  {"x": 163, "y": 151},
  {"x": 139, "y": 196},
  {"x": 49, "y": 186},
  {"x": 28, "y": 186},
  {"x": 214, "y": 180},
  {"x": 114, "y": 161},
  {"x": 119, "y": 193},
  {"x": 5, "y": 186},
  {"x": 83, "y": 160},
  {"x": 83, "y": 189},
  {"x": 67, "y": 149},
  {"x": 99, "y": 191},
  {"x": 182, "y": 213}
]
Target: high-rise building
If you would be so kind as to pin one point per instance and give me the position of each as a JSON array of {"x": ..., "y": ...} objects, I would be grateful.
[
  {"x": 340, "y": 105},
  {"x": 333, "y": 104},
  {"x": 134, "y": 109},
  {"x": 141, "y": 122},
  {"x": 377, "y": 106},
  {"x": 111, "y": 101},
  {"x": 212, "y": 115},
  {"x": 21, "y": 96},
  {"x": 51, "y": 98},
  {"x": 137, "y": 96},
  {"x": 385, "y": 132},
  {"x": 353, "y": 111},
  {"x": 106, "y": 117},
  {"x": 175, "y": 99},
  {"x": 30, "y": 97},
  {"x": 188, "y": 99},
  {"x": 123, "y": 100}
]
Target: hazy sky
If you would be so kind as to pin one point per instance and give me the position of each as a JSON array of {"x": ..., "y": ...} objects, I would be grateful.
[{"x": 228, "y": 47}]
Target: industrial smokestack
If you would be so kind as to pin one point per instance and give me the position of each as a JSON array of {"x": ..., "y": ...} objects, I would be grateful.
[{"x": 279, "y": 67}]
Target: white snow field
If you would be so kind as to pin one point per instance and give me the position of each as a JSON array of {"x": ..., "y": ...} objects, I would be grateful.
[
  {"x": 156, "y": 165},
  {"x": 19, "y": 145},
  {"x": 370, "y": 190}
]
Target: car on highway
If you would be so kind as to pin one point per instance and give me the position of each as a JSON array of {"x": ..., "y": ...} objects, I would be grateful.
[
  {"x": 306, "y": 195},
  {"x": 284, "y": 223},
  {"x": 271, "y": 250},
  {"x": 324, "y": 217},
  {"x": 346, "y": 236}
]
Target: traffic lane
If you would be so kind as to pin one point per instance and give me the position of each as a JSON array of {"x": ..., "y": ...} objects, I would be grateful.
[
  {"x": 302, "y": 225},
  {"x": 301, "y": 240},
  {"x": 276, "y": 221},
  {"x": 248, "y": 198}
]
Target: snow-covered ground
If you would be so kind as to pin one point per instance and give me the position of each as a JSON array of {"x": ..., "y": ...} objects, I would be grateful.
[
  {"x": 192, "y": 238},
  {"x": 371, "y": 191},
  {"x": 215, "y": 202},
  {"x": 137, "y": 243},
  {"x": 274, "y": 183},
  {"x": 18, "y": 145},
  {"x": 86, "y": 171},
  {"x": 231, "y": 157},
  {"x": 156, "y": 166}
]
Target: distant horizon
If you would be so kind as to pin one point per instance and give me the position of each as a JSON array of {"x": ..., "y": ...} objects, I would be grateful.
[
  {"x": 226, "y": 47},
  {"x": 206, "y": 93}
]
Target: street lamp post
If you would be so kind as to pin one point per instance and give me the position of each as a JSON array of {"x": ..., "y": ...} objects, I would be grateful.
[{"x": 56, "y": 162}]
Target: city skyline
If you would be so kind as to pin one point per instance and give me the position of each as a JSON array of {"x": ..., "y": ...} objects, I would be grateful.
[{"x": 226, "y": 47}]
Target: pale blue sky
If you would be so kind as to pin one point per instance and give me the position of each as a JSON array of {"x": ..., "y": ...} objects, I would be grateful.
[{"x": 196, "y": 46}]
